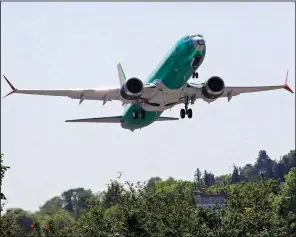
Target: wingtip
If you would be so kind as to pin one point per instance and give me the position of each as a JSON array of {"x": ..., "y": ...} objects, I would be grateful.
[
  {"x": 9, "y": 83},
  {"x": 11, "y": 86},
  {"x": 286, "y": 87}
]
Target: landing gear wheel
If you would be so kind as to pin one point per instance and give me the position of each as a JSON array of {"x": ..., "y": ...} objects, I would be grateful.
[
  {"x": 189, "y": 113},
  {"x": 182, "y": 113},
  {"x": 135, "y": 114}
]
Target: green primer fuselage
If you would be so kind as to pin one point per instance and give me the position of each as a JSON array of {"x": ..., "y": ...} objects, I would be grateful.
[{"x": 174, "y": 71}]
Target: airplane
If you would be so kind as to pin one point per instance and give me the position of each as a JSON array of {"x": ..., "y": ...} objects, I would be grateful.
[{"x": 167, "y": 86}]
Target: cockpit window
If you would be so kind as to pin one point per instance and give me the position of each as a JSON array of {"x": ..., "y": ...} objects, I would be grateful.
[
  {"x": 192, "y": 36},
  {"x": 186, "y": 38}
]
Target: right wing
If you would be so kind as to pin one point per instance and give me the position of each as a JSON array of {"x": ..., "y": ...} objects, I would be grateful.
[
  {"x": 101, "y": 94},
  {"x": 81, "y": 94}
]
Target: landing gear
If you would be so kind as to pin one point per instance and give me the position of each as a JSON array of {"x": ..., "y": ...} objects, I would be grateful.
[
  {"x": 189, "y": 113},
  {"x": 195, "y": 75},
  {"x": 182, "y": 113},
  {"x": 195, "y": 64},
  {"x": 185, "y": 111},
  {"x": 139, "y": 114}
]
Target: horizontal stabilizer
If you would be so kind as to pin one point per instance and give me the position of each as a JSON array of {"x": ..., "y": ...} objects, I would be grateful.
[
  {"x": 166, "y": 119},
  {"x": 114, "y": 119}
]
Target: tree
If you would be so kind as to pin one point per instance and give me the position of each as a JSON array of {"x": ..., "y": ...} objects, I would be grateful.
[
  {"x": 52, "y": 206},
  {"x": 235, "y": 177},
  {"x": 75, "y": 200},
  {"x": 208, "y": 178},
  {"x": 152, "y": 181},
  {"x": 198, "y": 175},
  {"x": 113, "y": 192},
  {"x": 264, "y": 164},
  {"x": 166, "y": 208},
  {"x": 249, "y": 172},
  {"x": 287, "y": 200},
  {"x": 3, "y": 170}
]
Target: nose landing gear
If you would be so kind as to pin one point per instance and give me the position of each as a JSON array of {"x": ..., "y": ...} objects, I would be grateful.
[
  {"x": 195, "y": 64},
  {"x": 195, "y": 75}
]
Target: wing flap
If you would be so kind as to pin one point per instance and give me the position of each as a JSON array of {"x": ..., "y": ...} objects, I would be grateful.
[{"x": 113, "y": 119}]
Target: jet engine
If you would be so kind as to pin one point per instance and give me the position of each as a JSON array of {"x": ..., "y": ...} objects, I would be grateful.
[
  {"x": 132, "y": 88},
  {"x": 213, "y": 88}
]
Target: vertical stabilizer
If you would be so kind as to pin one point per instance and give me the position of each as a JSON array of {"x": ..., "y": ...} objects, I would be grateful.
[
  {"x": 121, "y": 74},
  {"x": 122, "y": 77}
]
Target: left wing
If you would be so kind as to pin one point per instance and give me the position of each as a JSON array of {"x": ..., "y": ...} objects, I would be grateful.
[{"x": 194, "y": 90}]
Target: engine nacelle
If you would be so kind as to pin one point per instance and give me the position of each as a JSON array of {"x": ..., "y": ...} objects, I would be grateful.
[
  {"x": 213, "y": 88},
  {"x": 132, "y": 88}
]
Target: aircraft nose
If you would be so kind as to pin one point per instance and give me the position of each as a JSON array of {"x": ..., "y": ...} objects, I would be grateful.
[{"x": 199, "y": 43}]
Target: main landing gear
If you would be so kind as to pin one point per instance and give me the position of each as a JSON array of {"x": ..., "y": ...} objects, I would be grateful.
[
  {"x": 139, "y": 114},
  {"x": 185, "y": 111}
]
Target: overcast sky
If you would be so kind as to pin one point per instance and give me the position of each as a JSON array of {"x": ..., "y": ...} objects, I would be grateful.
[{"x": 78, "y": 45}]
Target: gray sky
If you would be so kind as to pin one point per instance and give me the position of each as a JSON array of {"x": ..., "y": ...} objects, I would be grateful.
[{"x": 77, "y": 45}]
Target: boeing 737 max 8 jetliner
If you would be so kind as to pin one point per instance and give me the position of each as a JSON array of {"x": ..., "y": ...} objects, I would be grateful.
[{"x": 166, "y": 87}]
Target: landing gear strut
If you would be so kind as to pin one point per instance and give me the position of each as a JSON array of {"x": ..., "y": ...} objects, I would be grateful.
[
  {"x": 185, "y": 111},
  {"x": 195, "y": 65}
]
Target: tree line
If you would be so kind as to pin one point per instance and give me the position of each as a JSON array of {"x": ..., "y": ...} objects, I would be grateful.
[
  {"x": 264, "y": 167},
  {"x": 261, "y": 201}
]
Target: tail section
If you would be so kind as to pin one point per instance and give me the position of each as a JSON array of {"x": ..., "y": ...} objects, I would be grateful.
[{"x": 121, "y": 74}]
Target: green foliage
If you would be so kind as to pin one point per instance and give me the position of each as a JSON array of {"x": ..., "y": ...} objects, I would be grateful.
[
  {"x": 51, "y": 206},
  {"x": 3, "y": 170},
  {"x": 163, "y": 208}
]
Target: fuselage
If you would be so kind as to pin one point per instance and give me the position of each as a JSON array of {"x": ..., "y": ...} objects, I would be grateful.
[{"x": 173, "y": 73}]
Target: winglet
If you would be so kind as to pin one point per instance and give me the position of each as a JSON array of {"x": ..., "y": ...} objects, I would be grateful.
[
  {"x": 11, "y": 86},
  {"x": 286, "y": 87}
]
